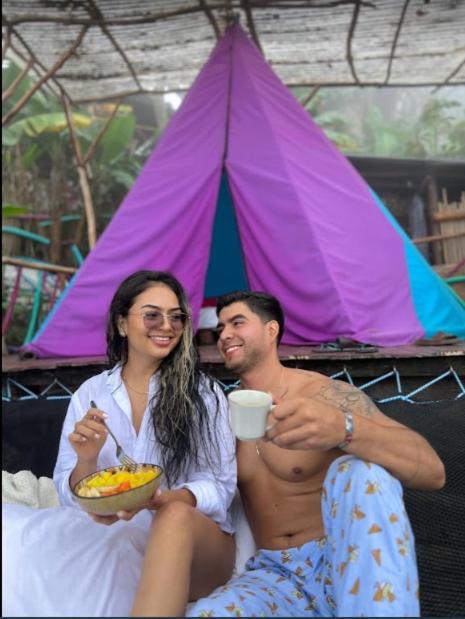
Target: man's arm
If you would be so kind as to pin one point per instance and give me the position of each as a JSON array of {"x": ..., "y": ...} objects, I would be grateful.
[{"x": 316, "y": 422}]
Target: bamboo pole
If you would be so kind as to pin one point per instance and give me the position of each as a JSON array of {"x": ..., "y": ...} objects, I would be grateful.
[
  {"x": 59, "y": 63},
  {"x": 394, "y": 42},
  {"x": 450, "y": 76},
  {"x": 83, "y": 178},
  {"x": 36, "y": 65},
  {"x": 313, "y": 91},
  {"x": 6, "y": 94},
  {"x": 7, "y": 43},
  {"x": 154, "y": 17},
  {"x": 38, "y": 266},
  {"x": 95, "y": 13},
  {"x": 449, "y": 215},
  {"x": 303, "y": 84},
  {"x": 350, "y": 35},
  {"x": 101, "y": 133},
  {"x": 211, "y": 18},
  {"x": 251, "y": 24},
  {"x": 438, "y": 237}
]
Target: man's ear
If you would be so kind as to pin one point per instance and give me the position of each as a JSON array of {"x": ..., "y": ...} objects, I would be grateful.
[{"x": 273, "y": 329}]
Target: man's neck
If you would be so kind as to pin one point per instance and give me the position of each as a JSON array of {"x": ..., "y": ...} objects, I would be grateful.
[{"x": 266, "y": 376}]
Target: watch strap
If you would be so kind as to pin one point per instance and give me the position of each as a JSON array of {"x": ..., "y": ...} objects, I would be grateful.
[{"x": 349, "y": 426}]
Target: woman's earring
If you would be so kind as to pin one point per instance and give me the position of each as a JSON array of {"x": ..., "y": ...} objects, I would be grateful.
[{"x": 122, "y": 333}]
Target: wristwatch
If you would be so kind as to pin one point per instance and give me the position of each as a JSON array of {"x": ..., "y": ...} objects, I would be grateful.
[{"x": 349, "y": 426}]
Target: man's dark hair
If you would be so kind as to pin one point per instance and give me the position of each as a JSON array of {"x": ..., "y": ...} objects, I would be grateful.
[{"x": 264, "y": 305}]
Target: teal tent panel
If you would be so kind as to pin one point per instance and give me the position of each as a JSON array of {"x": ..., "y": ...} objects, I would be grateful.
[
  {"x": 226, "y": 270},
  {"x": 437, "y": 306}
]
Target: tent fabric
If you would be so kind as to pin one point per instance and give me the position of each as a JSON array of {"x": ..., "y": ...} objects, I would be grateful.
[
  {"x": 437, "y": 306},
  {"x": 310, "y": 230}
]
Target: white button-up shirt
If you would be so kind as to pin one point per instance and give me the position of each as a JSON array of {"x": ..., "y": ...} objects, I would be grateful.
[{"x": 213, "y": 490}]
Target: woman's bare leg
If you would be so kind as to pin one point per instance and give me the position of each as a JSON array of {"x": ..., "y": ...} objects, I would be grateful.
[{"x": 187, "y": 556}]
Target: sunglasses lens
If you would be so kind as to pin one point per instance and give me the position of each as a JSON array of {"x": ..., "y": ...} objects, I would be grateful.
[
  {"x": 154, "y": 320},
  {"x": 177, "y": 321}
]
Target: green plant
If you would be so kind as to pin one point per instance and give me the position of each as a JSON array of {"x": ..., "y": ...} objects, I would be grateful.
[
  {"x": 12, "y": 210},
  {"x": 336, "y": 126},
  {"x": 391, "y": 122},
  {"x": 439, "y": 130},
  {"x": 38, "y": 160}
]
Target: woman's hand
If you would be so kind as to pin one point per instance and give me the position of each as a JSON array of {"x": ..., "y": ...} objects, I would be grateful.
[
  {"x": 154, "y": 502},
  {"x": 89, "y": 435}
]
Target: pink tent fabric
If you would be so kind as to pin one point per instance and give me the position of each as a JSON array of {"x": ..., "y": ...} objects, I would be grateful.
[
  {"x": 309, "y": 229},
  {"x": 164, "y": 223}
]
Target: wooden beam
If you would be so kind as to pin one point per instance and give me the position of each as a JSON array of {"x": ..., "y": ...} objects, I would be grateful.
[
  {"x": 101, "y": 133},
  {"x": 455, "y": 269},
  {"x": 47, "y": 266},
  {"x": 449, "y": 215},
  {"x": 86, "y": 21},
  {"x": 96, "y": 13},
  {"x": 211, "y": 18},
  {"x": 308, "y": 4},
  {"x": 123, "y": 55},
  {"x": 59, "y": 63},
  {"x": 14, "y": 84},
  {"x": 350, "y": 35},
  {"x": 7, "y": 43},
  {"x": 83, "y": 178},
  {"x": 35, "y": 67},
  {"x": 450, "y": 76},
  {"x": 394, "y": 42},
  {"x": 303, "y": 84},
  {"x": 438, "y": 237},
  {"x": 250, "y": 23},
  {"x": 148, "y": 19},
  {"x": 306, "y": 100},
  {"x": 119, "y": 95}
]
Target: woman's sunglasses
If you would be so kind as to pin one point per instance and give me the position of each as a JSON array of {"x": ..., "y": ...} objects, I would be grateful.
[{"x": 154, "y": 319}]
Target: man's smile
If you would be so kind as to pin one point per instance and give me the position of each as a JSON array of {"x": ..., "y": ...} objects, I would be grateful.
[{"x": 230, "y": 349}]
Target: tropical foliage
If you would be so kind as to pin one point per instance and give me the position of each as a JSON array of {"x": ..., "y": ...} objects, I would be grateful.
[
  {"x": 391, "y": 122},
  {"x": 38, "y": 169}
]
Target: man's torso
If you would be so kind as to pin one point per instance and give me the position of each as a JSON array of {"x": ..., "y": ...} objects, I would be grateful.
[{"x": 281, "y": 488}]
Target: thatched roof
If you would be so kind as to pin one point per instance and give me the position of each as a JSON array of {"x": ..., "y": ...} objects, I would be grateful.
[{"x": 129, "y": 46}]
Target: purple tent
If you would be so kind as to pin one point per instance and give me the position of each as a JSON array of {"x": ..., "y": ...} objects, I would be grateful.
[{"x": 312, "y": 232}]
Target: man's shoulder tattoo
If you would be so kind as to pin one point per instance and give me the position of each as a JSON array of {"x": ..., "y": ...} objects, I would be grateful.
[{"x": 347, "y": 397}]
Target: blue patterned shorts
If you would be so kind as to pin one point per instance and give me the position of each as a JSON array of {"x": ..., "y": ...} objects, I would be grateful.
[{"x": 364, "y": 566}]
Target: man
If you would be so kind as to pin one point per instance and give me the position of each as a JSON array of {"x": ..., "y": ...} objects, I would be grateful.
[{"x": 321, "y": 491}]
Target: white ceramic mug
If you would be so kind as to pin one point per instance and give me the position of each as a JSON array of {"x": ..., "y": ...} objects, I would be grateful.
[{"x": 249, "y": 411}]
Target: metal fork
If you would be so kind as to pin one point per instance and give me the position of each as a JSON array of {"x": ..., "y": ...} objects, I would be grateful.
[{"x": 122, "y": 457}]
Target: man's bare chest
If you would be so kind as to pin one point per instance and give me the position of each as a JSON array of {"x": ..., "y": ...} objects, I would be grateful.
[{"x": 268, "y": 462}]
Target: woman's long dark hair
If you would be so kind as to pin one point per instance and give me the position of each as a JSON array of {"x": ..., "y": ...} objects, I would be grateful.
[{"x": 181, "y": 421}]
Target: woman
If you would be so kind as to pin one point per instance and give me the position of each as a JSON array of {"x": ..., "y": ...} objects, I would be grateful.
[{"x": 164, "y": 410}]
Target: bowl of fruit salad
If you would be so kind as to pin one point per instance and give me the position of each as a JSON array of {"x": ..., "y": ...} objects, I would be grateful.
[{"x": 117, "y": 488}]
